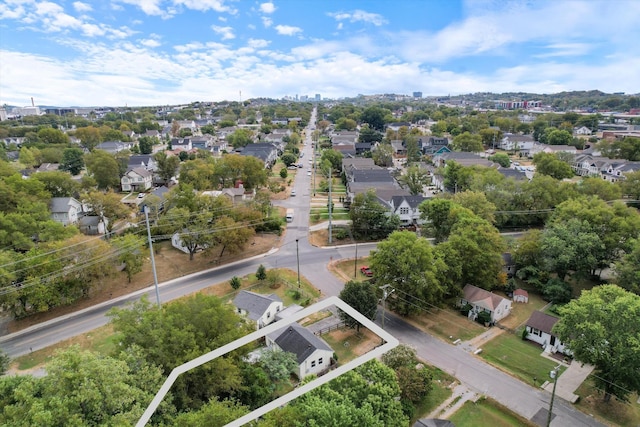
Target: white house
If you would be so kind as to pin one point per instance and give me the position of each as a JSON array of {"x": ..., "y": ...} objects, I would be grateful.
[
  {"x": 482, "y": 300},
  {"x": 583, "y": 130},
  {"x": 262, "y": 309},
  {"x": 136, "y": 179},
  {"x": 65, "y": 210},
  {"x": 312, "y": 353},
  {"x": 516, "y": 142},
  {"x": 406, "y": 207},
  {"x": 539, "y": 328}
]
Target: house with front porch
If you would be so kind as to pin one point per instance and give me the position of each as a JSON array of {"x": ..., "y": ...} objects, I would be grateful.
[
  {"x": 483, "y": 300},
  {"x": 407, "y": 209},
  {"x": 539, "y": 329}
]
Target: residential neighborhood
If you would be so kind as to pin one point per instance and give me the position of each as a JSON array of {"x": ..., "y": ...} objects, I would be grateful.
[{"x": 486, "y": 239}]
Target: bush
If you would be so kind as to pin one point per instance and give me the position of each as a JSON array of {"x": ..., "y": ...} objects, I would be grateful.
[
  {"x": 261, "y": 273},
  {"x": 283, "y": 173},
  {"x": 341, "y": 234},
  {"x": 273, "y": 224},
  {"x": 524, "y": 334},
  {"x": 465, "y": 309},
  {"x": 235, "y": 283},
  {"x": 484, "y": 317}
]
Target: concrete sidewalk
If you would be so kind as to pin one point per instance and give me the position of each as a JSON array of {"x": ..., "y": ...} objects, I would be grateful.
[
  {"x": 570, "y": 380},
  {"x": 460, "y": 395}
]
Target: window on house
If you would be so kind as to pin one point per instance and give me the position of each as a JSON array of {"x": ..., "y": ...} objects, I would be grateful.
[
  {"x": 313, "y": 363},
  {"x": 404, "y": 211},
  {"x": 320, "y": 361}
]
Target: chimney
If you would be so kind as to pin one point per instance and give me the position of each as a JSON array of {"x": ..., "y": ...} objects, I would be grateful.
[{"x": 32, "y": 103}]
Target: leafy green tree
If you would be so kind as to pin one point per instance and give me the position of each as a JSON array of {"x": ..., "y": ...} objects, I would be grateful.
[
  {"x": 334, "y": 157},
  {"x": 261, "y": 273},
  {"x": 26, "y": 157},
  {"x": 5, "y": 360},
  {"x": 502, "y": 159},
  {"x": 369, "y": 218},
  {"x": 606, "y": 190},
  {"x": 288, "y": 159},
  {"x": 89, "y": 136},
  {"x": 145, "y": 143},
  {"x": 558, "y": 137},
  {"x": 278, "y": 364},
  {"x": 344, "y": 123},
  {"x": 283, "y": 173},
  {"x": 631, "y": 185},
  {"x": 601, "y": 328},
  {"x": 369, "y": 134},
  {"x": 468, "y": 142},
  {"x": 214, "y": 413},
  {"x": 235, "y": 283},
  {"x": 104, "y": 169},
  {"x": 457, "y": 177},
  {"x": 473, "y": 254},
  {"x": 415, "y": 179},
  {"x": 477, "y": 203},
  {"x": 53, "y": 136},
  {"x": 550, "y": 164},
  {"x": 414, "y": 378},
  {"x": 72, "y": 160},
  {"x": 440, "y": 216},
  {"x": 231, "y": 235},
  {"x": 627, "y": 148},
  {"x": 570, "y": 246},
  {"x": 374, "y": 117},
  {"x": 383, "y": 155},
  {"x": 490, "y": 137},
  {"x": 407, "y": 263},
  {"x": 130, "y": 253},
  {"x": 58, "y": 184},
  {"x": 240, "y": 138},
  {"x": 178, "y": 332},
  {"x": 362, "y": 297},
  {"x": 80, "y": 389}
]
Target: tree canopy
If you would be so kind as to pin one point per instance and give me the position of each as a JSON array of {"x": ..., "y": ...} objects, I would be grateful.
[{"x": 601, "y": 328}]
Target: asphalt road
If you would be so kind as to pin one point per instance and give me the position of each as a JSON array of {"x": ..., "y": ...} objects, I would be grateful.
[{"x": 471, "y": 371}]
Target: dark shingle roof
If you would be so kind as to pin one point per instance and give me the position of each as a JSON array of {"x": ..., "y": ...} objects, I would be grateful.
[
  {"x": 412, "y": 201},
  {"x": 542, "y": 321},
  {"x": 254, "y": 304},
  {"x": 299, "y": 341}
]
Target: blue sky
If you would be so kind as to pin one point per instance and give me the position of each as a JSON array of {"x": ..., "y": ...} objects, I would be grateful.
[{"x": 151, "y": 52}]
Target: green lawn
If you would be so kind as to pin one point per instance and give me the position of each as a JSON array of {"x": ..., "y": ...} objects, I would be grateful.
[
  {"x": 519, "y": 358},
  {"x": 438, "y": 394},
  {"x": 613, "y": 412},
  {"x": 487, "y": 413}
]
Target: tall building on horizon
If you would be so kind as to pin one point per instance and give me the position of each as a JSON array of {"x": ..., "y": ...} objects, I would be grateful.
[{"x": 417, "y": 94}]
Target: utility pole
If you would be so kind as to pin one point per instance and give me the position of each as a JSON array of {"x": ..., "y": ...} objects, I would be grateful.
[
  {"x": 355, "y": 263},
  {"x": 298, "y": 259},
  {"x": 153, "y": 261},
  {"x": 554, "y": 375},
  {"x": 385, "y": 294}
]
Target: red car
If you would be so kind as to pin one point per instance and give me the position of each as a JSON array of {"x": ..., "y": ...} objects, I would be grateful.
[{"x": 366, "y": 271}]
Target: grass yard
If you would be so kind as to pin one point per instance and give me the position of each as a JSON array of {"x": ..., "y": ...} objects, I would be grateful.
[
  {"x": 439, "y": 393},
  {"x": 345, "y": 269},
  {"x": 447, "y": 324},
  {"x": 520, "y": 312},
  {"x": 347, "y": 344},
  {"x": 519, "y": 358},
  {"x": 487, "y": 413},
  {"x": 613, "y": 412},
  {"x": 101, "y": 340}
]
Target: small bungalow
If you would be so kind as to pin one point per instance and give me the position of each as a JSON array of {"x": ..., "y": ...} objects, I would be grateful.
[
  {"x": 262, "y": 309},
  {"x": 482, "y": 300},
  {"x": 92, "y": 225},
  {"x": 312, "y": 353},
  {"x": 539, "y": 330}
]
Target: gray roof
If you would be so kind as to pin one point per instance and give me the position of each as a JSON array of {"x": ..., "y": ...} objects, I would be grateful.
[
  {"x": 299, "y": 341},
  {"x": 433, "y": 422},
  {"x": 412, "y": 201},
  {"x": 372, "y": 175},
  {"x": 61, "y": 204},
  {"x": 512, "y": 173},
  {"x": 140, "y": 171},
  {"x": 254, "y": 304}
]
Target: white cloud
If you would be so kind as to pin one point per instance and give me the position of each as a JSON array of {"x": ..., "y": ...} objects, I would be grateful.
[
  {"x": 267, "y": 7},
  {"x": 359, "y": 15},
  {"x": 11, "y": 10},
  {"x": 225, "y": 32},
  {"x": 82, "y": 7},
  {"x": 150, "y": 43},
  {"x": 205, "y": 5},
  {"x": 258, "y": 43},
  {"x": 267, "y": 22},
  {"x": 566, "y": 49},
  {"x": 287, "y": 30}
]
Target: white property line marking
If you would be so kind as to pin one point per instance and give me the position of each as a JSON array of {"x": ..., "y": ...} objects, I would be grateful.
[{"x": 390, "y": 342}]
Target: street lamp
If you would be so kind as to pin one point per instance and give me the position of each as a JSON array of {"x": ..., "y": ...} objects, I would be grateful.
[
  {"x": 553, "y": 374},
  {"x": 298, "y": 259},
  {"x": 153, "y": 261}
]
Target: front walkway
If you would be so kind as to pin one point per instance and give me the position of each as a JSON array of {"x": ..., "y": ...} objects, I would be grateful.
[
  {"x": 570, "y": 380},
  {"x": 460, "y": 395}
]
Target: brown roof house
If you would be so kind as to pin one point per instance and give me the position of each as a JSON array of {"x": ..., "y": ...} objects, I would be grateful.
[
  {"x": 481, "y": 300},
  {"x": 539, "y": 328}
]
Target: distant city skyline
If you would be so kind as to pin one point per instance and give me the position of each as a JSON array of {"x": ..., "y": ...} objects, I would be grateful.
[{"x": 159, "y": 52}]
